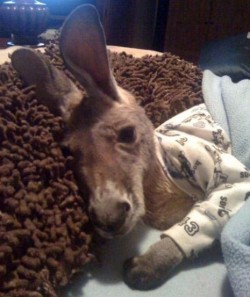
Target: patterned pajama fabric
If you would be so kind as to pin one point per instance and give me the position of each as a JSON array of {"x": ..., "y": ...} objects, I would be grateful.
[{"x": 195, "y": 153}]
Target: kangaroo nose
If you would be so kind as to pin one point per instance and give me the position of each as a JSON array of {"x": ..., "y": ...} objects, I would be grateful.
[
  {"x": 111, "y": 217},
  {"x": 124, "y": 206}
]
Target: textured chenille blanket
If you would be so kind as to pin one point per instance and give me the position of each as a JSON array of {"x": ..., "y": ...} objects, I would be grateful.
[
  {"x": 45, "y": 233},
  {"x": 229, "y": 104}
]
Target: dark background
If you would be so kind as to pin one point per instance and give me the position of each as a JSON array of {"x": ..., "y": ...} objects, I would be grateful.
[{"x": 182, "y": 27}]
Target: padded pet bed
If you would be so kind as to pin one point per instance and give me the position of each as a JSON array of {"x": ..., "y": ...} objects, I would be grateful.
[{"x": 45, "y": 233}]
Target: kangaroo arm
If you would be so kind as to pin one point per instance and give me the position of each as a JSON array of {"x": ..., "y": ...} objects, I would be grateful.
[{"x": 151, "y": 269}]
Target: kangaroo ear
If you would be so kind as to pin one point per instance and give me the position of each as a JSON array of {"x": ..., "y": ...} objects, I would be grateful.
[
  {"x": 83, "y": 48},
  {"x": 54, "y": 89}
]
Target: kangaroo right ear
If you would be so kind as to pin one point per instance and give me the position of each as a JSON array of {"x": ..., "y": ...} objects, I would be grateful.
[
  {"x": 53, "y": 88},
  {"x": 83, "y": 48}
]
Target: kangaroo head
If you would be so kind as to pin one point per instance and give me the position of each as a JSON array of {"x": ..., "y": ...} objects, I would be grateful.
[{"x": 107, "y": 131}]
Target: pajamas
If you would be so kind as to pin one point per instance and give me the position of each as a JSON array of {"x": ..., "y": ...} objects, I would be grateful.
[{"x": 195, "y": 153}]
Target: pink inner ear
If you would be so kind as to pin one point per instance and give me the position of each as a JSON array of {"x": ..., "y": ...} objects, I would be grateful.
[{"x": 83, "y": 47}]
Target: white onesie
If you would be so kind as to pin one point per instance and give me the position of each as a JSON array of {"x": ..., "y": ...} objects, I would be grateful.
[{"x": 195, "y": 153}]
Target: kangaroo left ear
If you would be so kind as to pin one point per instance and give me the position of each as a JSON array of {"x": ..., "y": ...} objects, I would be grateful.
[{"x": 53, "y": 88}]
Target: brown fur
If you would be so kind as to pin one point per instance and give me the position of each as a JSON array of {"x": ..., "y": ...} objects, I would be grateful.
[{"x": 165, "y": 203}]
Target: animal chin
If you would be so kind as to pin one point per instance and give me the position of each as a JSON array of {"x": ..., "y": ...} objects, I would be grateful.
[
  {"x": 105, "y": 234},
  {"x": 125, "y": 229},
  {"x": 109, "y": 235}
]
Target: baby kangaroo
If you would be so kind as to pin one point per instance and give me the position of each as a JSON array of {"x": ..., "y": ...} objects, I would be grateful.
[{"x": 180, "y": 178}]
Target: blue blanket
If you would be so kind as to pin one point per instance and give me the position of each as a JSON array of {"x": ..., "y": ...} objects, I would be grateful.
[
  {"x": 229, "y": 104},
  {"x": 235, "y": 241}
]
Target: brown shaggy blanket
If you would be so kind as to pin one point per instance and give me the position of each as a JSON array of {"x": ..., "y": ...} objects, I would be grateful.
[{"x": 45, "y": 233}]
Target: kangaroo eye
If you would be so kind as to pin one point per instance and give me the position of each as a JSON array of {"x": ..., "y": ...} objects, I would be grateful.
[{"x": 127, "y": 135}]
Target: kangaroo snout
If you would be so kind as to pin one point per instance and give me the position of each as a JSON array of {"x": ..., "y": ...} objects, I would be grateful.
[{"x": 110, "y": 216}]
